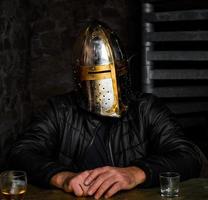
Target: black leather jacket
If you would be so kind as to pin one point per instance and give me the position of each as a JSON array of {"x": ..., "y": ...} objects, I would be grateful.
[{"x": 146, "y": 136}]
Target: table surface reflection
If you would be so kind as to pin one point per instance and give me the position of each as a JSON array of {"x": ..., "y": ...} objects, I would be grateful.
[{"x": 193, "y": 189}]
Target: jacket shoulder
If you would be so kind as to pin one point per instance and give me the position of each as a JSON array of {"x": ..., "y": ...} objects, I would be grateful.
[{"x": 148, "y": 103}]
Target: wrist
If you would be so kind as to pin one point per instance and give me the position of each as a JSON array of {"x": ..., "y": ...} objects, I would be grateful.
[{"x": 139, "y": 175}]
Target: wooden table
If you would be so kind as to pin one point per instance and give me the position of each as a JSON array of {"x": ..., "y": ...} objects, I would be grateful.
[{"x": 194, "y": 189}]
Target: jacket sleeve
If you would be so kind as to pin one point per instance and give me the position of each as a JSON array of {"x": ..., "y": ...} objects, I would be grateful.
[
  {"x": 168, "y": 149},
  {"x": 35, "y": 151}
]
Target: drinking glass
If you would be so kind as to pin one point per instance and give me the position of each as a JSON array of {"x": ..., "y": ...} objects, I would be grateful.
[
  {"x": 169, "y": 184},
  {"x": 13, "y": 185}
]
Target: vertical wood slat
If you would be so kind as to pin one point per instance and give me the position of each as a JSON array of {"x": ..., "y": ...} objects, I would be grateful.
[{"x": 147, "y": 66}]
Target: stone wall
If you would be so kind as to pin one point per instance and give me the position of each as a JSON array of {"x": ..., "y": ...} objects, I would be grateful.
[{"x": 14, "y": 93}]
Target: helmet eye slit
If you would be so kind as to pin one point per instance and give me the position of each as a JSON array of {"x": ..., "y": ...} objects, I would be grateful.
[{"x": 100, "y": 72}]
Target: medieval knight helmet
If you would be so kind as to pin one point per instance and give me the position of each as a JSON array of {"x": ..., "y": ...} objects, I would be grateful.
[{"x": 100, "y": 68}]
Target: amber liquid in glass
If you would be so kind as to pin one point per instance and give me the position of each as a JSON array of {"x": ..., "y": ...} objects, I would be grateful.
[{"x": 11, "y": 196}]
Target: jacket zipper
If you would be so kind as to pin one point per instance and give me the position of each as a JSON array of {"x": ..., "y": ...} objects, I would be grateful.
[{"x": 110, "y": 150}]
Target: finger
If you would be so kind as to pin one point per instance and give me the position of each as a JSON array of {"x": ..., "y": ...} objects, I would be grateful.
[
  {"x": 84, "y": 175},
  {"x": 114, "y": 189},
  {"x": 77, "y": 189},
  {"x": 84, "y": 189},
  {"x": 105, "y": 177},
  {"x": 106, "y": 185},
  {"x": 67, "y": 187},
  {"x": 94, "y": 174},
  {"x": 77, "y": 184}
]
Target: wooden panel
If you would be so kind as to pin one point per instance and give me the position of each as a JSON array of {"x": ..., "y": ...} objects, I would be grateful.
[
  {"x": 177, "y": 74},
  {"x": 181, "y": 91},
  {"x": 177, "y": 36},
  {"x": 182, "y": 15},
  {"x": 178, "y": 55}
]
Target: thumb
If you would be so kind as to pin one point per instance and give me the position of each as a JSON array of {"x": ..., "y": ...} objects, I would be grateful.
[{"x": 67, "y": 186}]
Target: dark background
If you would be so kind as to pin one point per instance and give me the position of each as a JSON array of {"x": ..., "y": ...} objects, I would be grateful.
[{"x": 36, "y": 41}]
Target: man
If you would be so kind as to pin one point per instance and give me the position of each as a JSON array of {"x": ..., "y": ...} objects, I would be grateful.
[{"x": 101, "y": 139}]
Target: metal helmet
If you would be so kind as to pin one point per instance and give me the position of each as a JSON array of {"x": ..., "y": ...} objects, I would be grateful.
[{"x": 101, "y": 70}]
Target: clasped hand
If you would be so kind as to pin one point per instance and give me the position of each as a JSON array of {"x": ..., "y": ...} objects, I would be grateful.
[{"x": 104, "y": 181}]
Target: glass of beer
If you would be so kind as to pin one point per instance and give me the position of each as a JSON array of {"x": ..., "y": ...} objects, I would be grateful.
[{"x": 13, "y": 185}]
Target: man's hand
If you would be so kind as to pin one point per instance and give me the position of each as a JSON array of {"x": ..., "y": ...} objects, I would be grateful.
[
  {"x": 76, "y": 184},
  {"x": 109, "y": 180},
  {"x": 71, "y": 182},
  {"x": 100, "y": 181}
]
